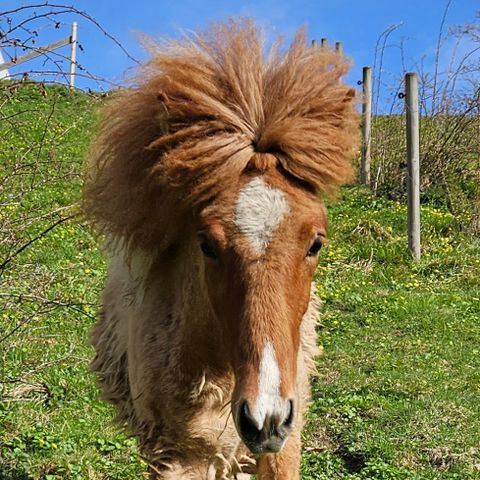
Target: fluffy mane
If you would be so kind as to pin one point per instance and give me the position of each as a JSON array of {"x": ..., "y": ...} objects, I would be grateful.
[{"x": 206, "y": 108}]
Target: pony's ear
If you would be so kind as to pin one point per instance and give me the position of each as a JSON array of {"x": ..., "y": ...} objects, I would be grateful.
[
  {"x": 349, "y": 95},
  {"x": 163, "y": 97}
]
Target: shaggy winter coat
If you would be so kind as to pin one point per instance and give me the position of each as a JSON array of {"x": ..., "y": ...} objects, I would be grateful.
[{"x": 204, "y": 113}]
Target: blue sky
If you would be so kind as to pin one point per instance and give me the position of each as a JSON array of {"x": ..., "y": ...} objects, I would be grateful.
[{"x": 358, "y": 24}]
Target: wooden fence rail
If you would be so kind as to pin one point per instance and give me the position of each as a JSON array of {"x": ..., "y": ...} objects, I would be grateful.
[{"x": 39, "y": 51}]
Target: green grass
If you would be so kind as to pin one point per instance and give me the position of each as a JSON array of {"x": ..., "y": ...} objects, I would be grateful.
[
  {"x": 397, "y": 386},
  {"x": 396, "y": 395},
  {"x": 52, "y": 424}
]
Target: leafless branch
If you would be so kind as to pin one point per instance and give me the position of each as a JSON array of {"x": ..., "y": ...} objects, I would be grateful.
[{"x": 33, "y": 240}]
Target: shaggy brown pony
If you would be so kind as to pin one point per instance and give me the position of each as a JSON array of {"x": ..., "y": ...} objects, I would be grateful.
[{"x": 206, "y": 179}]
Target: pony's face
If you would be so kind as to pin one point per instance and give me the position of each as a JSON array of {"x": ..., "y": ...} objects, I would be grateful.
[{"x": 260, "y": 245}]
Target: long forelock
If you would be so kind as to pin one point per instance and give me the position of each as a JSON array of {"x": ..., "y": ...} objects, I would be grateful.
[{"x": 227, "y": 99}]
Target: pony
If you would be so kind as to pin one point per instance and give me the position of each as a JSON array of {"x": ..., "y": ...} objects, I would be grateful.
[{"x": 207, "y": 179}]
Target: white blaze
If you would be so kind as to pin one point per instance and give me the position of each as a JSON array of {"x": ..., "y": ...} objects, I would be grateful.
[
  {"x": 269, "y": 402},
  {"x": 259, "y": 210}
]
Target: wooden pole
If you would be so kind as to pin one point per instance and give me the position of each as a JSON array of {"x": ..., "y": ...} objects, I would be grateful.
[
  {"x": 413, "y": 164},
  {"x": 366, "y": 125},
  {"x": 314, "y": 43},
  {"x": 339, "y": 47},
  {"x": 323, "y": 43},
  {"x": 73, "y": 54}
]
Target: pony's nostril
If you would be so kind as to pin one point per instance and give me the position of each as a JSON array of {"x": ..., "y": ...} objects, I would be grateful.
[
  {"x": 248, "y": 425},
  {"x": 288, "y": 422}
]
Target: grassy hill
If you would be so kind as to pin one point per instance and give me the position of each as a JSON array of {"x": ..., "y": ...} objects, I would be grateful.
[{"x": 396, "y": 395}]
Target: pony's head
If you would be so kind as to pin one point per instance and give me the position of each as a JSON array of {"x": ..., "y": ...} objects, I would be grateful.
[
  {"x": 260, "y": 244},
  {"x": 226, "y": 147}
]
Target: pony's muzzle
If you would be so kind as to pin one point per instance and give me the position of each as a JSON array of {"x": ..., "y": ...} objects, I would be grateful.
[{"x": 271, "y": 435}]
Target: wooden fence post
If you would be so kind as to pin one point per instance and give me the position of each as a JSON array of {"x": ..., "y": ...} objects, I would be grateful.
[
  {"x": 413, "y": 164},
  {"x": 366, "y": 125},
  {"x": 323, "y": 43},
  {"x": 73, "y": 54},
  {"x": 339, "y": 47}
]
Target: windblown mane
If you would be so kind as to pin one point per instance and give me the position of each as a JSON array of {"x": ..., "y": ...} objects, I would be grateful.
[{"x": 206, "y": 108}]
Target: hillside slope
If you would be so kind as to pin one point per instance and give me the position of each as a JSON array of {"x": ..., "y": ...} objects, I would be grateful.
[{"x": 396, "y": 396}]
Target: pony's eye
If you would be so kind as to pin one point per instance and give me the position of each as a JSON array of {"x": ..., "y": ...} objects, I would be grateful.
[
  {"x": 315, "y": 248},
  {"x": 207, "y": 249}
]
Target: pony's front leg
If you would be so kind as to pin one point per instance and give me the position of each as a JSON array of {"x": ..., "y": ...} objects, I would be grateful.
[{"x": 284, "y": 465}]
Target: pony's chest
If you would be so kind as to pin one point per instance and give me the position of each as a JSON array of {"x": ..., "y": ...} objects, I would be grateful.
[{"x": 206, "y": 444}]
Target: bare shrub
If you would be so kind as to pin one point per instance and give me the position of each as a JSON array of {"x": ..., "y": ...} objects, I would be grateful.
[
  {"x": 449, "y": 129},
  {"x": 44, "y": 135}
]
